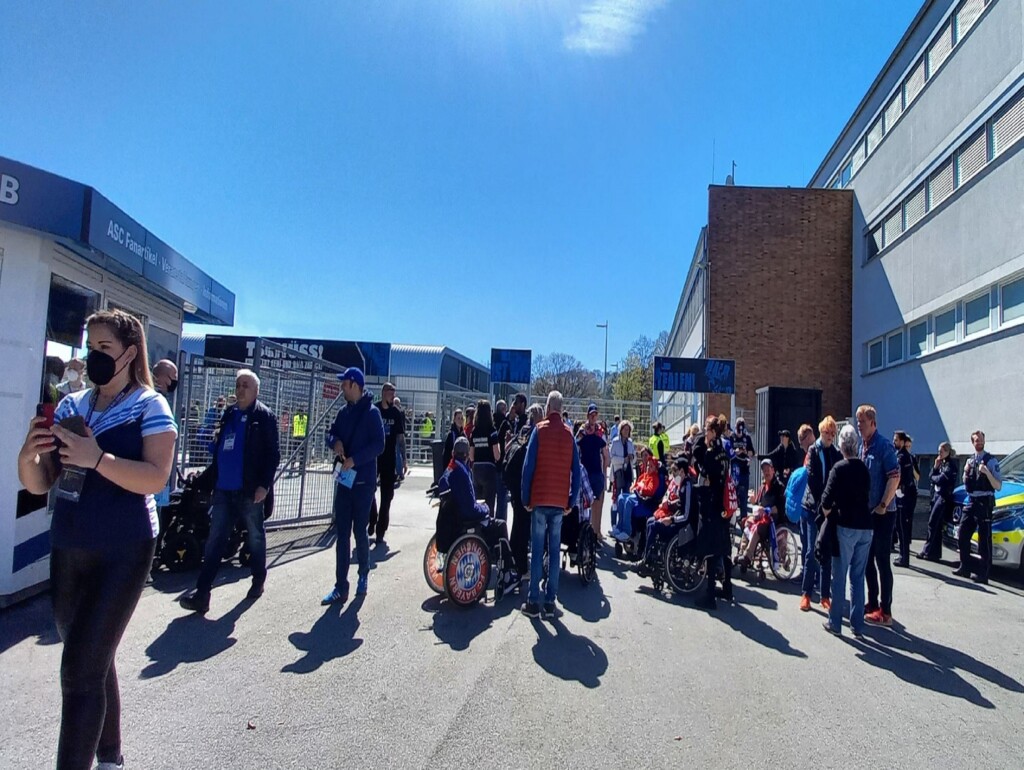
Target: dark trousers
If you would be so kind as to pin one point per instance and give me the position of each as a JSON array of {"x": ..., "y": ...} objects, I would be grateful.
[
  {"x": 94, "y": 594},
  {"x": 977, "y": 517},
  {"x": 228, "y": 509},
  {"x": 380, "y": 517},
  {"x": 879, "y": 564},
  {"x": 936, "y": 525},
  {"x": 485, "y": 483},
  {"x": 905, "y": 528},
  {"x": 714, "y": 540},
  {"x": 522, "y": 520},
  {"x": 742, "y": 490},
  {"x": 352, "y": 516}
]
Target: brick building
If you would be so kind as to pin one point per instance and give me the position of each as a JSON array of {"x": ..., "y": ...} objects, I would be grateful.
[{"x": 768, "y": 286}]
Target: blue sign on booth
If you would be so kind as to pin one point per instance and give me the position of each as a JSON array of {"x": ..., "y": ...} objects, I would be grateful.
[
  {"x": 694, "y": 375},
  {"x": 40, "y": 200},
  {"x": 511, "y": 366}
]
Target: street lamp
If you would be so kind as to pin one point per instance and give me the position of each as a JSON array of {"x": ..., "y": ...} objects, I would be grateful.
[{"x": 604, "y": 380}]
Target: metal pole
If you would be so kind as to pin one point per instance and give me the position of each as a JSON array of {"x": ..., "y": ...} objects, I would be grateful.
[{"x": 604, "y": 378}]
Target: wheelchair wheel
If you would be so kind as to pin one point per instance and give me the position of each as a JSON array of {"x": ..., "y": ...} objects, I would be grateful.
[
  {"x": 683, "y": 570},
  {"x": 467, "y": 570},
  {"x": 586, "y": 557},
  {"x": 433, "y": 575},
  {"x": 181, "y": 552},
  {"x": 788, "y": 555}
]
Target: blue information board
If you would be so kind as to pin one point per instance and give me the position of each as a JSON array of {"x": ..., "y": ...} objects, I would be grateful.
[
  {"x": 694, "y": 375},
  {"x": 511, "y": 366}
]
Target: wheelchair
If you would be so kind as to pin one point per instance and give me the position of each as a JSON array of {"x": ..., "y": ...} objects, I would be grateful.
[
  {"x": 471, "y": 565},
  {"x": 579, "y": 546},
  {"x": 782, "y": 559}
]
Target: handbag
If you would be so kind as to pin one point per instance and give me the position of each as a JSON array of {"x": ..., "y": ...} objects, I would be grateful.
[{"x": 825, "y": 543}]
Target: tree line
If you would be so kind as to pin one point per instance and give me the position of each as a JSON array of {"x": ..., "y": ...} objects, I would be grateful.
[{"x": 633, "y": 379}]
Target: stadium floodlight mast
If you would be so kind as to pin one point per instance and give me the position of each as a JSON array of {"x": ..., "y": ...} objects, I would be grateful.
[{"x": 604, "y": 379}]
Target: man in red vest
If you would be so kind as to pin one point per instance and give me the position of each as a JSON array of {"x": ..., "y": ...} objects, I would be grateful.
[{"x": 551, "y": 487}]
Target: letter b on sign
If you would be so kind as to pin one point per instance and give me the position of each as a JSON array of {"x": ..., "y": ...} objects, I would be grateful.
[{"x": 8, "y": 190}]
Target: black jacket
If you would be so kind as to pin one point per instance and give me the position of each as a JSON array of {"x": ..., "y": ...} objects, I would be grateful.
[
  {"x": 816, "y": 475},
  {"x": 944, "y": 479},
  {"x": 846, "y": 494},
  {"x": 785, "y": 459},
  {"x": 262, "y": 453}
]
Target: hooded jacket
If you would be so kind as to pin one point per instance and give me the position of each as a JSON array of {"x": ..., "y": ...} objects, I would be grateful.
[{"x": 360, "y": 430}]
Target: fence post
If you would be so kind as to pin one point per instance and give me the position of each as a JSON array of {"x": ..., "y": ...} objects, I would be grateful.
[{"x": 305, "y": 439}]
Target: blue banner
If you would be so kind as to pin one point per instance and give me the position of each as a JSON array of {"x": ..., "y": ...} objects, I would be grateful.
[
  {"x": 694, "y": 375},
  {"x": 511, "y": 366},
  {"x": 40, "y": 200}
]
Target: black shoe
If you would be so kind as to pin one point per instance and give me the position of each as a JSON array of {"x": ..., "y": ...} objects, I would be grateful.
[
  {"x": 193, "y": 602},
  {"x": 706, "y": 603},
  {"x": 982, "y": 581},
  {"x": 380, "y": 542},
  {"x": 255, "y": 592},
  {"x": 531, "y": 610},
  {"x": 961, "y": 572},
  {"x": 901, "y": 563},
  {"x": 724, "y": 593},
  {"x": 550, "y": 610}
]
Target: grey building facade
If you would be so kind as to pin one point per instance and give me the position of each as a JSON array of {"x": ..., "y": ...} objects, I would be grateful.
[{"x": 935, "y": 158}]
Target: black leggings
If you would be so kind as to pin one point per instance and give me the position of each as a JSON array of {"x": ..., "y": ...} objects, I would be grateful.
[{"x": 94, "y": 594}]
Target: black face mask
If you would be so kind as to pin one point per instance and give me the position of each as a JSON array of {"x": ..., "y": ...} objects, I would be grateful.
[
  {"x": 172, "y": 386},
  {"x": 102, "y": 368}
]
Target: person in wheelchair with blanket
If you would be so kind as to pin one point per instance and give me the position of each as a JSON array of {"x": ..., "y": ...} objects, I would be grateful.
[
  {"x": 458, "y": 480},
  {"x": 669, "y": 517},
  {"x": 769, "y": 508},
  {"x": 636, "y": 507}
]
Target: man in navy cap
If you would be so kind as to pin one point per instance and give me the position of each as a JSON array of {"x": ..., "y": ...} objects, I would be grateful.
[{"x": 357, "y": 438}]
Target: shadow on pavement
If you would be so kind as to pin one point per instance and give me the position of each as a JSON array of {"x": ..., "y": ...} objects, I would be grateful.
[
  {"x": 331, "y": 637},
  {"x": 938, "y": 672},
  {"x": 567, "y": 655},
  {"x": 458, "y": 627},
  {"x": 739, "y": 618},
  {"x": 380, "y": 554},
  {"x": 587, "y": 601},
  {"x": 31, "y": 618},
  {"x": 948, "y": 579},
  {"x": 192, "y": 638}
]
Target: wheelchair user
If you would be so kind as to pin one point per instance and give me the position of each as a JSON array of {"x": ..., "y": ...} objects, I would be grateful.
[
  {"x": 674, "y": 511},
  {"x": 769, "y": 507},
  {"x": 459, "y": 479},
  {"x": 641, "y": 502}
]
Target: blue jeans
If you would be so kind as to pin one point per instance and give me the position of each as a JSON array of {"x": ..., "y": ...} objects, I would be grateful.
[
  {"x": 352, "y": 513},
  {"x": 627, "y": 504},
  {"x": 854, "y": 550},
  {"x": 546, "y": 530},
  {"x": 812, "y": 570},
  {"x": 227, "y": 509}
]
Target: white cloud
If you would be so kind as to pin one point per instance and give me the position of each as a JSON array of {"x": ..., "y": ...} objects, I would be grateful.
[{"x": 607, "y": 27}]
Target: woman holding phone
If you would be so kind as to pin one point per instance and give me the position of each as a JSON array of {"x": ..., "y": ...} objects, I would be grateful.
[{"x": 109, "y": 451}]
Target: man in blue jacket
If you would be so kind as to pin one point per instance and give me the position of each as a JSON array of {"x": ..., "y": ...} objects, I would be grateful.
[{"x": 357, "y": 438}]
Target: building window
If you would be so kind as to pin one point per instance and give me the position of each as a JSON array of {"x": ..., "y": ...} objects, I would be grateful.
[
  {"x": 847, "y": 175},
  {"x": 1008, "y": 126},
  {"x": 972, "y": 157},
  {"x": 874, "y": 242},
  {"x": 875, "y": 135},
  {"x": 893, "y": 227},
  {"x": 976, "y": 315},
  {"x": 940, "y": 184},
  {"x": 894, "y": 348},
  {"x": 859, "y": 156},
  {"x": 1013, "y": 300},
  {"x": 875, "y": 354},
  {"x": 941, "y": 48},
  {"x": 917, "y": 340},
  {"x": 913, "y": 209},
  {"x": 966, "y": 17},
  {"x": 945, "y": 328},
  {"x": 914, "y": 84},
  {"x": 893, "y": 111}
]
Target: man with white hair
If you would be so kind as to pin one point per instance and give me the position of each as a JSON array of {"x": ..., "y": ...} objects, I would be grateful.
[{"x": 246, "y": 454}]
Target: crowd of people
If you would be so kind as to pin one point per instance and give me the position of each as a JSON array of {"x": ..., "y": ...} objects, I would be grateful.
[{"x": 107, "y": 455}]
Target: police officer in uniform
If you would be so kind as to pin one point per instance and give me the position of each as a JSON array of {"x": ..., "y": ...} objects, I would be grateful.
[
  {"x": 906, "y": 496},
  {"x": 982, "y": 480},
  {"x": 713, "y": 465}
]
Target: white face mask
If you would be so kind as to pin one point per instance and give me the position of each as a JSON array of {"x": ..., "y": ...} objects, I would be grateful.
[
  {"x": 679, "y": 481},
  {"x": 72, "y": 375}
]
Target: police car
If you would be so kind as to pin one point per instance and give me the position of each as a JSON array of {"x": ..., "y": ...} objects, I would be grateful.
[{"x": 1007, "y": 519}]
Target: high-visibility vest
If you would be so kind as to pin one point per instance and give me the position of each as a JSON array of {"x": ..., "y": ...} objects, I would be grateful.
[
  {"x": 299, "y": 424},
  {"x": 652, "y": 443}
]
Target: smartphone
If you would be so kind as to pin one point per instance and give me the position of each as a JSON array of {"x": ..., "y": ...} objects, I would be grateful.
[
  {"x": 75, "y": 424},
  {"x": 45, "y": 410}
]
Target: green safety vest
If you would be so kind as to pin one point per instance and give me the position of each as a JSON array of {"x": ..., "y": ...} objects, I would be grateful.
[
  {"x": 299, "y": 424},
  {"x": 652, "y": 443}
]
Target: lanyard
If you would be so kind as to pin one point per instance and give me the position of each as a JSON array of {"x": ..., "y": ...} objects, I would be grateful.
[{"x": 117, "y": 400}]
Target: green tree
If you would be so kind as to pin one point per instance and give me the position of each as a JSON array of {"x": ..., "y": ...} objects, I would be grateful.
[
  {"x": 635, "y": 379},
  {"x": 565, "y": 373}
]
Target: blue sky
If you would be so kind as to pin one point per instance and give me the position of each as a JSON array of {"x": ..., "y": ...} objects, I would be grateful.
[{"x": 473, "y": 173}]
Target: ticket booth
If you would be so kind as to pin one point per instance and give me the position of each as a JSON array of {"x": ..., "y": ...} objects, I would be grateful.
[{"x": 65, "y": 252}]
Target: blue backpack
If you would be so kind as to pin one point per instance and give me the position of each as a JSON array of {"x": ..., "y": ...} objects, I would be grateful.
[{"x": 795, "y": 494}]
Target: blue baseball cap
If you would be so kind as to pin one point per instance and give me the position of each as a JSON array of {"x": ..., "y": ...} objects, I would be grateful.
[
  {"x": 592, "y": 408},
  {"x": 353, "y": 374}
]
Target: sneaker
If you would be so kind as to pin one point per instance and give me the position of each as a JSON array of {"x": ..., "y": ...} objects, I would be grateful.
[
  {"x": 724, "y": 593},
  {"x": 531, "y": 610},
  {"x": 879, "y": 619},
  {"x": 361, "y": 586},
  {"x": 550, "y": 610},
  {"x": 110, "y": 765},
  {"x": 875, "y": 616},
  {"x": 511, "y": 581},
  {"x": 805, "y": 603},
  {"x": 828, "y": 627},
  {"x": 381, "y": 543},
  {"x": 858, "y": 635},
  {"x": 193, "y": 602},
  {"x": 961, "y": 572},
  {"x": 982, "y": 581},
  {"x": 826, "y": 604},
  {"x": 900, "y": 563},
  {"x": 255, "y": 592},
  {"x": 334, "y": 597},
  {"x": 622, "y": 537}
]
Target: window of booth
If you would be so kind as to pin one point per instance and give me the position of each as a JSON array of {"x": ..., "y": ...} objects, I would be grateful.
[
  {"x": 68, "y": 306},
  {"x": 161, "y": 343}
]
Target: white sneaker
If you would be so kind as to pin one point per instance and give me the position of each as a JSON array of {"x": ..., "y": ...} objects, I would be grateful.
[{"x": 110, "y": 766}]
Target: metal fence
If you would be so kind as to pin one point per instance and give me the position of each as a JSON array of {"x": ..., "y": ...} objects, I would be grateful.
[{"x": 302, "y": 391}]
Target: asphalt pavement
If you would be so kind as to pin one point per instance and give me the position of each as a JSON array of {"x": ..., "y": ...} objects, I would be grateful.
[{"x": 626, "y": 677}]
